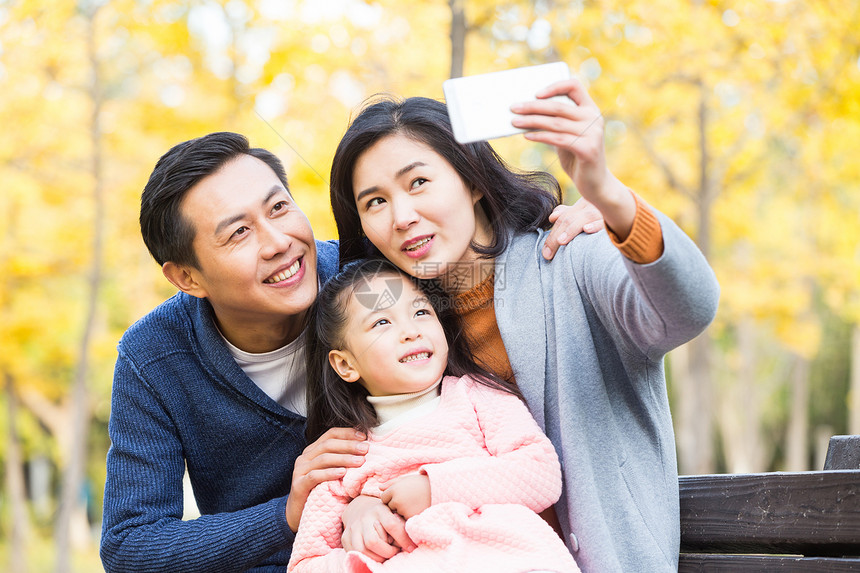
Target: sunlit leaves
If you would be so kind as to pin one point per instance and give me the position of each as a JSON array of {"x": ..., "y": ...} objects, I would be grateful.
[{"x": 772, "y": 87}]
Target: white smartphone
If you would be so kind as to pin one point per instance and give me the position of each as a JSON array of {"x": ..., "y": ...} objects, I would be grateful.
[{"x": 480, "y": 106}]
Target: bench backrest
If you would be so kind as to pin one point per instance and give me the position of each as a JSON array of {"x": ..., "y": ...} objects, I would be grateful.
[{"x": 804, "y": 521}]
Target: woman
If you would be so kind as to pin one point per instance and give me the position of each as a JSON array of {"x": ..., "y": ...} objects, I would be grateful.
[{"x": 583, "y": 336}]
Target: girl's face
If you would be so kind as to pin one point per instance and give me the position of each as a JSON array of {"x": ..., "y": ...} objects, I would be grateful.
[
  {"x": 393, "y": 341},
  {"x": 417, "y": 210}
]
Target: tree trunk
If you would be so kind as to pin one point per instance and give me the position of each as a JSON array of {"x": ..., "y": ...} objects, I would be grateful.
[
  {"x": 19, "y": 528},
  {"x": 740, "y": 408},
  {"x": 679, "y": 362},
  {"x": 854, "y": 391},
  {"x": 458, "y": 37},
  {"x": 73, "y": 474},
  {"x": 697, "y": 455},
  {"x": 731, "y": 428},
  {"x": 797, "y": 438},
  {"x": 39, "y": 482}
]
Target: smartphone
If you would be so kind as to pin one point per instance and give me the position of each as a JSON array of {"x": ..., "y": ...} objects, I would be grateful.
[{"x": 480, "y": 106}]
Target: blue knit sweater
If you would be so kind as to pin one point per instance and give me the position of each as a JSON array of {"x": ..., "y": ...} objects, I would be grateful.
[{"x": 179, "y": 398}]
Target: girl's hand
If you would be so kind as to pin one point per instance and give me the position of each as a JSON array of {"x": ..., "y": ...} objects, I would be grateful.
[
  {"x": 576, "y": 131},
  {"x": 370, "y": 527},
  {"x": 408, "y": 495},
  {"x": 325, "y": 459},
  {"x": 569, "y": 221}
]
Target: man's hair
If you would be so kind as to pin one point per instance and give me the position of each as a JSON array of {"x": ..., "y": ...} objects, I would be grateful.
[{"x": 167, "y": 234}]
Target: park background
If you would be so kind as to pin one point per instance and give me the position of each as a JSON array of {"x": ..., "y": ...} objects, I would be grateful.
[{"x": 740, "y": 119}]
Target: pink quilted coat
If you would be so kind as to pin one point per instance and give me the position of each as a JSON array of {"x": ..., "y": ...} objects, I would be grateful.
[{"x": 491, "y": 470}]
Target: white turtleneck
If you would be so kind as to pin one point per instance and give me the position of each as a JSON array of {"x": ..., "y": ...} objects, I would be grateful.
[{"x": 394, "y": 411}]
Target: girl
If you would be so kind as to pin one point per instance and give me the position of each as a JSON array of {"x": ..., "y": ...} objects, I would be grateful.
[
  {"x": 452, "y": 448},
  {"x": 583, "y": 336}
]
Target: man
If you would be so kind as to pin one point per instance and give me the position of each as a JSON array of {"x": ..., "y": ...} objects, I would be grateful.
[{"x": 213, "y": 379}]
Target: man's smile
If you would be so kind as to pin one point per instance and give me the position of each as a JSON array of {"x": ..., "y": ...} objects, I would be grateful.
[{"x": 285, "y": 274}]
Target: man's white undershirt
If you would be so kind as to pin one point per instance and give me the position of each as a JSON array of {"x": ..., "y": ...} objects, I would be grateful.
[{"x": 281, "y": 373}]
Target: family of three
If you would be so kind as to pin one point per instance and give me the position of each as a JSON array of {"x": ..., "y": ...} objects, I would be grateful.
[{"x": 462, "y": 382}]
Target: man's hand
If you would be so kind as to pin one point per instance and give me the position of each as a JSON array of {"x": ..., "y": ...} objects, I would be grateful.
[
  {"x": 325, "y": 459},
  {"x": 569, "y": 221},
  {"x": 370, "y": 527},
  {"x": 408, "y": 495}
]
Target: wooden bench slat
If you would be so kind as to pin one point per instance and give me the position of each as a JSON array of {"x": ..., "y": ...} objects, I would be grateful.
[
  {"x": 843, "y": 453},
  {"x": 807, "y": 513},
  {"x": 700, "y": 563}
]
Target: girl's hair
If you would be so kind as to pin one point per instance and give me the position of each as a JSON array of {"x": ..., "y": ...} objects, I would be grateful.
[
  {"x": 513, "y": 201},
  {"x": 332, "y": 402}
]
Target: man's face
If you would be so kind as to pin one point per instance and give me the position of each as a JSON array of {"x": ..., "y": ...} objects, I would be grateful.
[{"x": 255, "y": 247}]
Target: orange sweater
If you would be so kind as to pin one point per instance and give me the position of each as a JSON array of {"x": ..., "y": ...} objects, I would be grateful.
[{"x": 643, "y": 245}]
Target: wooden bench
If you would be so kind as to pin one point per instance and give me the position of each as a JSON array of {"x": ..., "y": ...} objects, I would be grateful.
[{"x": 804, "y": 521}]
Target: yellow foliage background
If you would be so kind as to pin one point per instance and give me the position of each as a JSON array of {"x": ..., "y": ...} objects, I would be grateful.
[{"x": 739, "y": 119}]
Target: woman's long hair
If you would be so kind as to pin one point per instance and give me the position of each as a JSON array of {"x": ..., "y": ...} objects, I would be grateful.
[
  {"x": 513, "y": 201},
  {"x": 333, "y": 402}
]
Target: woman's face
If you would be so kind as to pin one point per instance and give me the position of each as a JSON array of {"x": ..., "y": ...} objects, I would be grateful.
[{"x": 417, "y": 210}]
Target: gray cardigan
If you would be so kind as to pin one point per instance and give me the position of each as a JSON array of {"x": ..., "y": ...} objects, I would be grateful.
[{"x": 586, "y": 334}]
